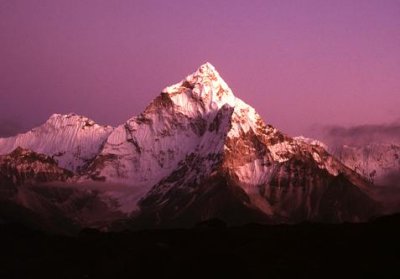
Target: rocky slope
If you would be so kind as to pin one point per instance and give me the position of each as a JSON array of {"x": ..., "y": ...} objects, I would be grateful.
[
  {"x": 35, "y": 191},
  {"x": 198, "y": 152},
  {"x": 254, "y": 170},
  {"x": 24, "y": 166},
  {"x": 375, "y": 161},
  {"x": 379, "y": 163}
]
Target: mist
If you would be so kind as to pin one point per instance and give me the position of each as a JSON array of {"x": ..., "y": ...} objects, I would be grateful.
[{"x": 359, "y": 135}]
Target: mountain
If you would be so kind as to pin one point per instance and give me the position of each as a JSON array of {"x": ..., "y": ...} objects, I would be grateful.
[
  {"x": 23, "y": 166},
  {"x": 255, "y": 169},
  {"x": 71, "y": 140},
  {"x": 379, "y": 163},
  {"x": 34, "y": 191},
  {"x": 375, "y": 161},
  {"x": 372, "y": 150},
  {"x": 198, "y": 152}
]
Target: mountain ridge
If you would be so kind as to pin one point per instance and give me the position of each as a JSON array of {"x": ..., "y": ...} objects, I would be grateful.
[{"x": 198, "y": 152}]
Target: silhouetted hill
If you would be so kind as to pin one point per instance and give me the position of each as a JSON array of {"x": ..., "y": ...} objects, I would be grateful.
[{"x": 210, "y": 250}]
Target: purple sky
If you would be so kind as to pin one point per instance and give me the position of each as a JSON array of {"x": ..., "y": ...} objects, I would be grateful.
[{"x": 299, "y": 63}]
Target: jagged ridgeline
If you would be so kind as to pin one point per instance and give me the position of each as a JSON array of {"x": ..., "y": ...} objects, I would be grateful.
[{"x": 197, "y": 152}]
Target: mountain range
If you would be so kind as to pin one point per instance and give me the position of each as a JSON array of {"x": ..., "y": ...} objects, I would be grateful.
[{"x": 197, "y": 152}]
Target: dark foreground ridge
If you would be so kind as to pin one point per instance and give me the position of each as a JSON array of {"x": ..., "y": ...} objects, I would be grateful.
[{"x": 210, "y": 250}]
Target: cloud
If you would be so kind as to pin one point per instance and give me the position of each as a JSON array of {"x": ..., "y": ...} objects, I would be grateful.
[
  {"x": 362, "y": 134},
  {"x": 387, "y": 190},
  {"x": 9, "y": 127}
]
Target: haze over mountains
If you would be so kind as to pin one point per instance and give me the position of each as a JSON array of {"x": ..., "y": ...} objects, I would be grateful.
[
  {"x": 373, "y": 151},
  {"x": 197, "y": 152}
]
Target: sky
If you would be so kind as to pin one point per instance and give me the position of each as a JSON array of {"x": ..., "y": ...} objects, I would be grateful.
[{"x": 300, "y": 64}]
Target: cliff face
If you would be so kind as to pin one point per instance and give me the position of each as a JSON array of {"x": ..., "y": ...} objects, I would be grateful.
[
  {"x": 195, "y": 153},
  {"x": 375, "y": 161},
  {"x": 23, "y": 166}
]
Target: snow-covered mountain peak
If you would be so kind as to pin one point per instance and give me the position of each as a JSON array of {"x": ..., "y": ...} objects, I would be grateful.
[
  {"x": 196, "y": 152},
  {"x": 61, "y": 120},
  {"x": 72, "y": 140},
  {"x": 183, "y": 120},
  {"x": 202, "y": 91},
  {"x": 207, "y": 70}
]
